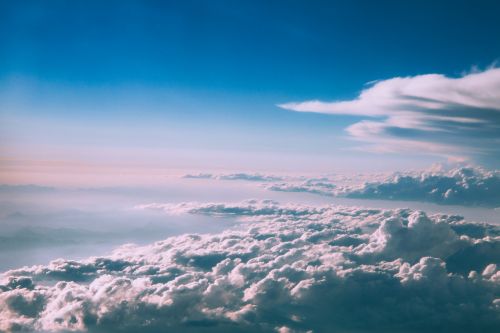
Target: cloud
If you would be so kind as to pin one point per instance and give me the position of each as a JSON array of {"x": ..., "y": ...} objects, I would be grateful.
[
  {"x": 321, "y": 186},
  {"x": 289, "y": 268},
  {"x": 460, "y": 186},
  {"x": 468, "y": 186},
  {"x": 255, "y": 177},
  {"x": 431, "y": 114}
]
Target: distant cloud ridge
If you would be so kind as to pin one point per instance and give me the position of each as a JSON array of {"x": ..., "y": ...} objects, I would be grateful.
[
  {"x": 256, "y": 177},
  {"x": 461, "y": 186},
  {"x": 467, "y": 186}
]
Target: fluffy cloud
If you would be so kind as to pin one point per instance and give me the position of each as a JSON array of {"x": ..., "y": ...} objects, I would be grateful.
[
  {"x": 256, "y": 177},
  {"x": 459, "y": 186},
  {"x": 289, "y": 268},
  {"x": 462, "y": 186},
  {"x": 425, "y": 113}
]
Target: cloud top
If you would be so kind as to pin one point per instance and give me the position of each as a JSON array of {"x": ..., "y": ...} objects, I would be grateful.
[
  {"x": 467, "y": 186},
  {"x": 255, "y": 177},
  {"x": 291, "y": 268}
]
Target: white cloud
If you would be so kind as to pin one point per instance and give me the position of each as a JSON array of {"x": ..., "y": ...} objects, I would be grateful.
[
  {"x": 426, "y": 113},
  {"x": 458, "y": 186},
  {"x": 291, "y": 268},
  {"x": 432, "y": 91}
]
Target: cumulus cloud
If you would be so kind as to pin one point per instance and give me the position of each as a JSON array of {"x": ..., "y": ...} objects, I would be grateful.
[
  {"x": 289, "y": 268},
  {"x": 461, "y": 186},
  {"x": 323, "y": 187},
  {"x": 256, "y": 177},
  {"x": 458, "y": 186},
  {"x": 426, "y": 113}
]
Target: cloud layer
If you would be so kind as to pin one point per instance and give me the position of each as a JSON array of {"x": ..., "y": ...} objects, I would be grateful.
[
  {"x": 256, "y": 177},
  {"x": 466, "y": 186},
  {"x": 321, "y": 186},
  {"x": 462, "y": 186},
  {"x": 423, "y": 114},
  {"x": 291, "y": 268}
]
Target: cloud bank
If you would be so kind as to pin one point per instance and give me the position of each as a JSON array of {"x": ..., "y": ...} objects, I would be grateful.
[
  {"x": 291, "y": 268},
  {"x": 465, "y": 186},
  {"x": 432, "y": 114}
]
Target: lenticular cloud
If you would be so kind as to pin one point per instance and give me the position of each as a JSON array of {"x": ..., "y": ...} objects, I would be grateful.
[{"x": 288, "y": 268}]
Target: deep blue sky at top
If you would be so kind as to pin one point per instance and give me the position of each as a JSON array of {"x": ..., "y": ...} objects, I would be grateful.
[
  {"x": 302, "y": 49},
  {"x": 227, "y": 60}
]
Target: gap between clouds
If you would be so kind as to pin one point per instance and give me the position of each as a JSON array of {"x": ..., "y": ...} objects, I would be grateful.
[{"x": 432, "y": 114}]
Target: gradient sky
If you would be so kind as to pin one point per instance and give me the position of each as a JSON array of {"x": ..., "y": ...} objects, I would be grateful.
[{"x": 101, "y": 86}]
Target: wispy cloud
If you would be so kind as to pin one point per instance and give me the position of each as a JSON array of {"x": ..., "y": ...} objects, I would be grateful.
[
  {"x": 431, "y": 114},
  {"x": 255, "y": 177}
]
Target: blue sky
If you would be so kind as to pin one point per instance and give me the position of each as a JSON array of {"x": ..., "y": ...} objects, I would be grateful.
[
  {"x": 196, "y": 84},
  {"x": 251, "y": 143}
]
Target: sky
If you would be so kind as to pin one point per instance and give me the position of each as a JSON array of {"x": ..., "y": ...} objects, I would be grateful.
[
  {"x": 101, "y": 89},
  {"x": 249, "y": 166}
]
